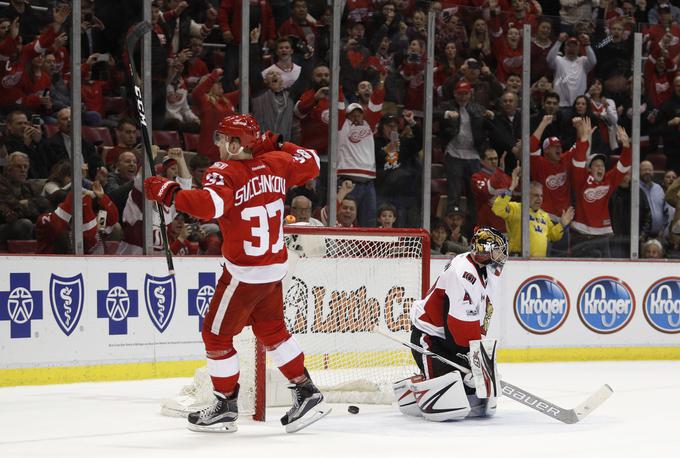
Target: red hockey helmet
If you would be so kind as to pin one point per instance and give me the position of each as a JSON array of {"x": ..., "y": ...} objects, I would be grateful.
[{"x": 245, "y": 127}]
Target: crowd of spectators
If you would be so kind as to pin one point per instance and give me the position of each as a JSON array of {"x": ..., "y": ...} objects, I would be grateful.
[{"x": 580, "y": 119}]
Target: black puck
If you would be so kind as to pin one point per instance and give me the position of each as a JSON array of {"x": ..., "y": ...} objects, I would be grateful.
[{"x": 353, "y": 409}]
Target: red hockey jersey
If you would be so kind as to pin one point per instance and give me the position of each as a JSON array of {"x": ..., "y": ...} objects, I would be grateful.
[
  {"x": 247, "y": 199},
  {"x": 49, "y": 225},
  {"x": 554, "y": 177},
  {"x": 592, "y": 197},
  {"x": 484, "y": 200}
]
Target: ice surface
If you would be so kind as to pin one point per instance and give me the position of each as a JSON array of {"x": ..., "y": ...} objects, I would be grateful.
[{"x": 121, "y": 419}]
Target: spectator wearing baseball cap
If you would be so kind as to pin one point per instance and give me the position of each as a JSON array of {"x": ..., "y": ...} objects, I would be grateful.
[
  {"x": 356, "y": 162},
  {"x": 463, "y": 131},
  {"x": 571, "y": 70},
  {"x": 552, "y": 171},
  {"x": 663, "y": 8}
]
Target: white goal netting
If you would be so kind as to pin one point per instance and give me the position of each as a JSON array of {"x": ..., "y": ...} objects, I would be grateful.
[{"x": 341, "y": 285}]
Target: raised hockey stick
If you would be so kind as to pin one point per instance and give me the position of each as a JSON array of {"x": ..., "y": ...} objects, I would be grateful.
[
  {"x": 516, "y": 393},
  {"x": 135, "y": 34}
]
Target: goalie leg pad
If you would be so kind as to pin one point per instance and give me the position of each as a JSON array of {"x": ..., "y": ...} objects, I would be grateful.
[
  {"x": 484, "y": 368},
  {"x": 442, "y": 398},
  {"x": 482, "y": 407},
  {"x": 405, "y": 397}
]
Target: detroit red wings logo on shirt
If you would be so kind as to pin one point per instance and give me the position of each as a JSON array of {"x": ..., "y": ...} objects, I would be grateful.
[
  {"x": 358, "y": 133},
  {"x": 593, "y": 194},
  {"x": 556, "y": 181},
  {"x": 12, "y": 79}
]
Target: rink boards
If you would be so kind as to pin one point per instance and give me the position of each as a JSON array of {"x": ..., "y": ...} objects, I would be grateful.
[{"x": 68, "y": 319}]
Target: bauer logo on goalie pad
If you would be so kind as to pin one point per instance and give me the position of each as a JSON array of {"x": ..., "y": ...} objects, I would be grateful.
[
  {"x": 541, "y": 304},
  {"x": 20, "y": 305},
  {"x": 606, "y": 305},
  {"x": 117, "y": 303},
  {"x": 199, "y": 298},
  {"x": 160, "y": 293},
  {"x": 66, "y": 298},
  {"x": 662, "y": 305}
]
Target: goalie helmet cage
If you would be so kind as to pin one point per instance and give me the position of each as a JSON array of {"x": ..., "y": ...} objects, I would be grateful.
[{"x": 341, "y": 284}]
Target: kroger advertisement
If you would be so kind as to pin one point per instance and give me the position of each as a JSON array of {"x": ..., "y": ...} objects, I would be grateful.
[
  {"x": 588, "y": 304},
  {"x": 61, "y": 311}
]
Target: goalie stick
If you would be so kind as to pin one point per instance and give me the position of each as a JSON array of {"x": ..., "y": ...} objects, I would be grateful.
[
  {"x": 517, "y": 394},
  {"x": 135, "y": 34}
]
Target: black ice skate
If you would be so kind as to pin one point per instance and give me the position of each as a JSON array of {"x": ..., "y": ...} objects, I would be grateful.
[
  {"x": 308, "y": 406},
  {"x": 219, "y": 417}
]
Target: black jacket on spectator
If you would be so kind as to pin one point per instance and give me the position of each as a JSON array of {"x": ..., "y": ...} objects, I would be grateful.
[
  {"x": 503, "y": 136},
  {"x": 554, "y": 129},
  {"x": 31, "y": 21},
  {"x": 669, "y": 110},
  {"x": 12, "y": 193},
  {"x": 403, "y": 177},
  {"x": 619, "y": 209},
  {"x": 449, "y": 128},
  {"x": 40, "y": 167},
  {"x": 613, "y": 59},
  {"x": 54, "y": 151},
  {"x": 569, "y": 133}
]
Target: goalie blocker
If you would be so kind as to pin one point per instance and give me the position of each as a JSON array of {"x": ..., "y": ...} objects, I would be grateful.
[{"x": 449, "y": 396}]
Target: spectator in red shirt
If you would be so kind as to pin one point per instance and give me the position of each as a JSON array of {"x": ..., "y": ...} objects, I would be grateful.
[
  {"x": 34, "y": 86},
  {"x": 412, "y": 69},
  {"x": 212, "y": 105},
  {"x": 312, "y": 110},
  {"x": 196, "y": 67},
  {"x": 126, "y": 140},
  {"x": 229, "y": 20},
  {"x": 53, "y": 230},
  {"x": 483, "y": 193},
  {"x": 659, "y": 81},
  {"x": 508, "y": 51},
  {"x": 593, "y": 187},
  {"x": 540, "y": 46},
  {"x": 300, "y": 26}
]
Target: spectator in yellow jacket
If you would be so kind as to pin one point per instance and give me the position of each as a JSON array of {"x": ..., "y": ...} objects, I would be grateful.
[{"x": 541, "y": 227}]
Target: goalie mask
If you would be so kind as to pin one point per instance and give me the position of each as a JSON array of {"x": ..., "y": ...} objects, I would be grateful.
[{"x": 489, "y": 246}]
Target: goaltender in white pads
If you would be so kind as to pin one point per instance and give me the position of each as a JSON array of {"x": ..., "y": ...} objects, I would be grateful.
[{"x": 451, "y": 321}]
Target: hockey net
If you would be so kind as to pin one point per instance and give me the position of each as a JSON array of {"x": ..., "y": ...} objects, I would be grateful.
[{"x": 342, "y": 283}]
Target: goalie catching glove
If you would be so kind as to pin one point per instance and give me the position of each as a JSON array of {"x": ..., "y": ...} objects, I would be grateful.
[{"x": 161, "y": 190}]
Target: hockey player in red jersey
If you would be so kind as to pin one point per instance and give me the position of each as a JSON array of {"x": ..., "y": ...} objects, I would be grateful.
[
  {"x": 246, "y": 193},
  {"x": 593, "y": 186},
  {"x": 451, "y": 321}
]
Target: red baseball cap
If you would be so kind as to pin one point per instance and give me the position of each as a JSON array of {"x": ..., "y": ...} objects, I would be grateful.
[
  {"x": 551, "y": 141},
  {"x": 463, "y": 86}
]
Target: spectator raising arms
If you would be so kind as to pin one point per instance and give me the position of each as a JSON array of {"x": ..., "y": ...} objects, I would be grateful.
[
  {"x": 541, "y": 228},
  {"x": 53, "y": 230},
  {"x": 356, "y": 162},
  {"x": 593, "y": 186},
  {"x": 571, "y": 70},
  {"x": 213, "y": 105}
]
